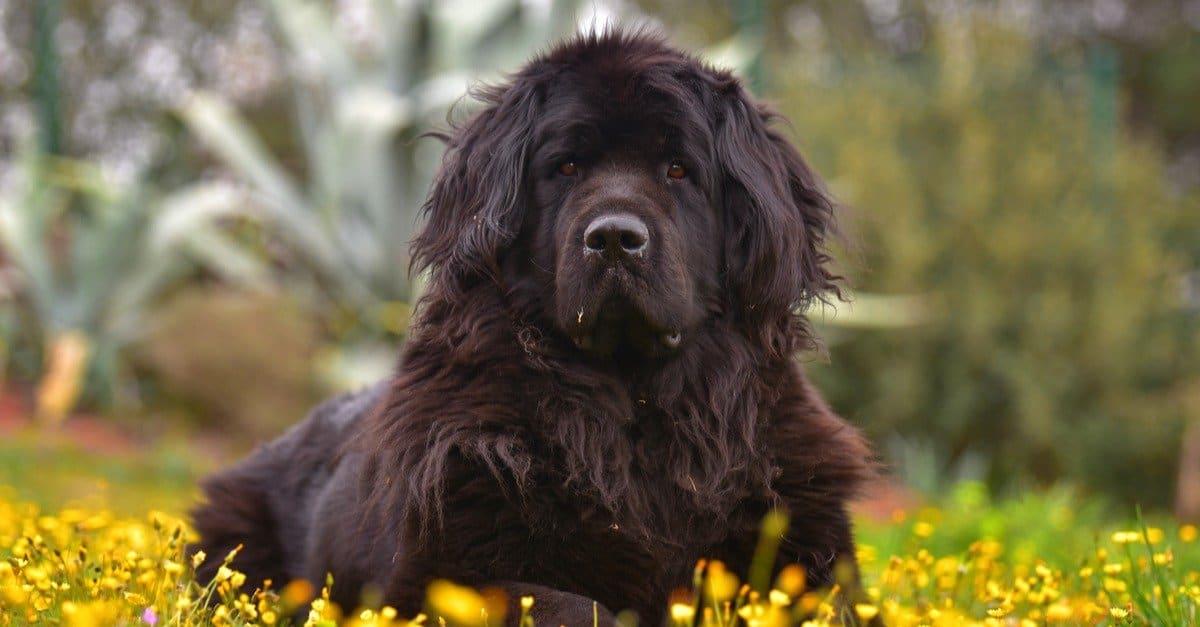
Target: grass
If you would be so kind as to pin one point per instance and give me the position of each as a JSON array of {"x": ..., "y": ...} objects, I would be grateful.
[
  {"x": 50, "y": 474},
  {"x": 88, "y": 539}
]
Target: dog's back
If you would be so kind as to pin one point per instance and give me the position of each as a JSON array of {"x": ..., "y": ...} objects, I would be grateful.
[{"x": 266, "y": 503}]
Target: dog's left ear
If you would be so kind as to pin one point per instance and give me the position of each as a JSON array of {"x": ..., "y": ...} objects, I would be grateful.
[{"x": 777, "y": 212}]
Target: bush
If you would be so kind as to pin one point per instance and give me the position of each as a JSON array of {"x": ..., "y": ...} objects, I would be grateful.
[{"x": 1045, "y": 246}]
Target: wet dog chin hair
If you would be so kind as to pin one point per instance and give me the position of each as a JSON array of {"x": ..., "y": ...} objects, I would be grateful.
[{"x": 600, "y": 385}]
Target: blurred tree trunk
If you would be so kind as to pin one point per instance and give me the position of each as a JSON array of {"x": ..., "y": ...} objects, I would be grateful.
[
  {"x": 45, "y": 89},
  {"x": 1187, "y": 500}
]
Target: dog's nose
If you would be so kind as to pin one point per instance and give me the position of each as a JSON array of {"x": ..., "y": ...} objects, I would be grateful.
[{"x": 616, "y": 236}]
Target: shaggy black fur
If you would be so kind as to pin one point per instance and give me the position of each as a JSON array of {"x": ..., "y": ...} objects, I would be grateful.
[{"x": 581, "y": 424}]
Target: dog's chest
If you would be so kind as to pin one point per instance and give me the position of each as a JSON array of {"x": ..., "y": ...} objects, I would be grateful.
[{"x": 593, "y": 553}]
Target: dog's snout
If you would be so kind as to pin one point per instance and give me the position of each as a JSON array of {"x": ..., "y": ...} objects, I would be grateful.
[{"x": 616, "y": 236}]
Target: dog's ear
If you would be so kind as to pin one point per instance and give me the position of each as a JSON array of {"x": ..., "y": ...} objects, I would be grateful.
[
  {"x": 777, "y": 213},
  {"x": 476, "y": 203}
]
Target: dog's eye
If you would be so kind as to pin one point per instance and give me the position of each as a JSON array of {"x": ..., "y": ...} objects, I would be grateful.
[
  {"x": 568, "y": 169},
  {"x": 676, "y": 171}
]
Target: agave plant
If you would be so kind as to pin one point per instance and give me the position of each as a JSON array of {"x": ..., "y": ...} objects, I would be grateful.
[
  {"x": 363, "y": 90},
  {"x": 90, "y": 256}
]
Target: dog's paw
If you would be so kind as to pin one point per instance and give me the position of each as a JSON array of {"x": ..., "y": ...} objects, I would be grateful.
[{"x": 552, "y": 608}]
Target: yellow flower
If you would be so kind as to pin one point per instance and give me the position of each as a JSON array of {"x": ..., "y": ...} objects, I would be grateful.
[
  {"x": 297, "y": 593},
  {"x": 751, "y": 611},
  {"x": 791, "y": 580},
  {"x": 460, "y": 605},
  {"x": 232, "y": 554},
  {"x": 722, "y": 584},
  {"x": 809, "y": 602},
  {"x": 866, "y": 611},
  {"x": 1059, "y": 612},
  {"x": 1126, "y": 537},
  {"x": 682, "y": 613},
  {"x": 1188, "y": 533}
]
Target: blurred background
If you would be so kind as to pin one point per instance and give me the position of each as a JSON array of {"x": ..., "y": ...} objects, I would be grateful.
[{"x": 204, "y": 210}]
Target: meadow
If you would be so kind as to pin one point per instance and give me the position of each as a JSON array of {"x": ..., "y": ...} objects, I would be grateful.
[
  {"x": 92, "y": 538},
  {"x": 203, "y": 215}
]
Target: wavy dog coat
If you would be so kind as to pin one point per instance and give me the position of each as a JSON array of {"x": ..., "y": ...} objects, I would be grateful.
[{"x": 507, "y": 452}]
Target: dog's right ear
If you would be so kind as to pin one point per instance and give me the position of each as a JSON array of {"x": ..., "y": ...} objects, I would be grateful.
[{"x": 476, "y": 204}]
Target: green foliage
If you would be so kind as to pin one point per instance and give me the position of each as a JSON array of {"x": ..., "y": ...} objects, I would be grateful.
[
  {"x": 361, "y": 98},
  {"x": 1054, "y": 544},
  {"x": 1057, "y": 524},
  {"x": 1047, "y": 250},
  {"x": 91, "y": 256},
  {"x": 96, "y": 465}
]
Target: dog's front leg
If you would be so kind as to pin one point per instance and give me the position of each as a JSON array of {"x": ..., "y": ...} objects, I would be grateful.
[{"x": 553, "y": 607}]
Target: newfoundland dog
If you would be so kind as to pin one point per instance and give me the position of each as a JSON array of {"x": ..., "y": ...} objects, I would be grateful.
[{"x": 601, "y": 384}]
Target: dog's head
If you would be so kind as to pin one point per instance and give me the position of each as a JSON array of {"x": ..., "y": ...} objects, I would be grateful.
[{"x": 625, "y": 194}]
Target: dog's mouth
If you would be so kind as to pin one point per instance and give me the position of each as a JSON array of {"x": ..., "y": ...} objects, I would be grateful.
[
  {"x": 617, "y": 316},
  {"x": 616, "y": 326}
]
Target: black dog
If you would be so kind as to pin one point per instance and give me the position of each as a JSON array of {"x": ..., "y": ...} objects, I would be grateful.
[{"x": 601, "y": 384}]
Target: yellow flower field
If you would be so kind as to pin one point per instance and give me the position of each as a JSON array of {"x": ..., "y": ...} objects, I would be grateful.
[{"x": 85, "y": 566}]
